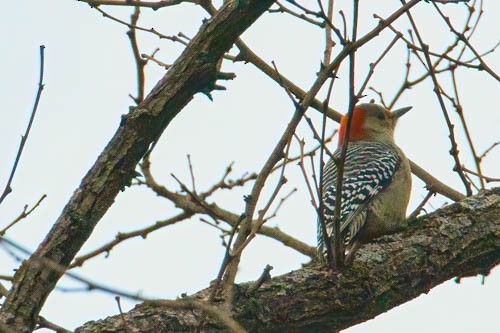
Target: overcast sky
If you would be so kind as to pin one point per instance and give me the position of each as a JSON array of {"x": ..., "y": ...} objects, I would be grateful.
[{"x": 89, "y": 73}]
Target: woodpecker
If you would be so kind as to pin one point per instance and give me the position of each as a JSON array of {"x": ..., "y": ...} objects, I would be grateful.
[{"x": 376, "y": 180}]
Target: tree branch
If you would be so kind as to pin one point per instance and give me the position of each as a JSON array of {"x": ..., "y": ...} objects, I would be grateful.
[
  {"x": 459, "y": 240},
  {"x": 8, "y": 189}
]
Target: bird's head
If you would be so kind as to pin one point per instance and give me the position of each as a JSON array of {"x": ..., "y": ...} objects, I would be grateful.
[{"x": 371, "y": 122}]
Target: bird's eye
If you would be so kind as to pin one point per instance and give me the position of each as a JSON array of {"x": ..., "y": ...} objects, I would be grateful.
[{"x": 381, "y": 116}]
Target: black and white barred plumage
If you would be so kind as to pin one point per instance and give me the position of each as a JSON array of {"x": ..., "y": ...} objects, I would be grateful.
[{"x": 368, "y": 170}]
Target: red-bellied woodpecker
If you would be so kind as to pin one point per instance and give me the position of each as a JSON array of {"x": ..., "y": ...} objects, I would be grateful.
[{"x": 376, "y": 180}]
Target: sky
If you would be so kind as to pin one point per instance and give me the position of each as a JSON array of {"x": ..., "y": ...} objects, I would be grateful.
[{"x": 89, "y": 73}]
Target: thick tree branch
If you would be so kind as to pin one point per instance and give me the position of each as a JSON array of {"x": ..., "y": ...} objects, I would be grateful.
[
  {"x": 462, "y": 239},
  {"x": 194, "y": 71}
]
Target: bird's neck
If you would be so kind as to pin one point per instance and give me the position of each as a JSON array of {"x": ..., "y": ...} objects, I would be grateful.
[{"x": 356, "y": 131}]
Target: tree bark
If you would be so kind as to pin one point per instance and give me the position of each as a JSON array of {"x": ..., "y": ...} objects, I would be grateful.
[
  {"x": 194, "y": 71},
  {"x": 456, "y": 241}
]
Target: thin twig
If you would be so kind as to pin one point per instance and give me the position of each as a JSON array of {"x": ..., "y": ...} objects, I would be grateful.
[
  {"x": 330, "y": 256},
  {"x": 197, "y": 199},
  {"x": 304, "y": 9},
  {"x": 419, "y": 208},
  {"x": 265, "y": 276},
  {"x": 440, "y": 56},
  {"x": 190, "y": 165},
  {"x": 148, "y": 57},
  {"x": 199, "y": 206},
  {"x": 280, "y": 203},
  {"x": 123, "y": 236},
  {"x": 216, "y": 226},
  {"x": 374, "y": 64},
  {"x": 44, "y": 323},
  {"x": 406, "y": 84},
  {"x": 257, "y": 225},
  {"x": 136, "y": 3},
  {"x": 283, "y": 9},
  {"x": 24, "y": 138},
  {"x": 380, "y": 96},
  {"x": 454, "y": 149},
  {"x": 25, "y": 213},
  {"x": 469, "y": 179},
  {"x": 462, "y": 38},
  {"x": 483, "y": 155},
  {"x": 329, "y": 44},
  {"x": 309, "y": 153},
  {"x": 306, "y": 178},
  {"x": 313, "y": 176},
  {"x": 338, "y": 251},
  {"x": 434, "y": 185},
  {"x": 460, "y": 112},
  {"x": 481, "y": 176},
  {"x": 227, "y": 258},
  {"x": 139, "y": 62},
  {"x": 247, "y": 228},
  {"x": 216, "y": 285},
  {"x": 344, "y": 25},
  {"x": 119, "y": 304},
  {"x": 316, "y": 135},
  {"x": 328, "y": 17},
  {"x": 172, "y": 38}
]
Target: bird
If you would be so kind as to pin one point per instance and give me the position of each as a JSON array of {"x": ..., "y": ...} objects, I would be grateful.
[{"x": 376, "y": 182}]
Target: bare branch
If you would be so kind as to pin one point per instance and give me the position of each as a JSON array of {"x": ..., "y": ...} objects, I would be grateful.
[
  {"x": 434, "y": 185},
  {"x": 454, "y": 149},
  {"x": 329, "y": 44},
  {"x": 199, "y": 206},
  {"x": 156, "y": 61},
  {"x": 459, "y": 109},
  {"x": 278, "y": 206},
  {"x": 312, "y": 193},
  {"x": 483, "y": 155},
  {"x": 123, "y": 236},
  {"x": 330, "y": 256},
  {"x": 24, "y": 214},
  {"x": 7, "y": 190},
  {"x": 374, "y": 64},
  {"x": 481, "y": 176},
  {"x": 172, "y": 38},
  {"x": 463, "y": 39},
  {"x": 265, "y": 276},
  {"x": 328, "y": 17},
  {"x": 190, "y": 165},
  {"x": 136, "y": 3},
  {"x": 139, "y": 62},
  {"x": 44, "y": 323},
  {"x": 420, "y": 206},
  {"x": 283, "y": 9}
]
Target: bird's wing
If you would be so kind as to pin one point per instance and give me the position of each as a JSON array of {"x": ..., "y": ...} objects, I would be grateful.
[{"x": 368, "y": 170}]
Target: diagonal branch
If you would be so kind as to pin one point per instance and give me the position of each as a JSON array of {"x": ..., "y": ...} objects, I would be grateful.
[
  {"x": 459, "y": 240},
  {"x": 24, "y": 138}
]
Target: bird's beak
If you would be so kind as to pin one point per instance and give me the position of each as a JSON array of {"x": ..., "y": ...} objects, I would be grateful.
[{"x": 399, "y": 112}]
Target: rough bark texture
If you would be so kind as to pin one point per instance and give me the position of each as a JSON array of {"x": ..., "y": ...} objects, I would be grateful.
[
  {"x": 194, "y": 71},
  {"x": 459, "y": 240}
]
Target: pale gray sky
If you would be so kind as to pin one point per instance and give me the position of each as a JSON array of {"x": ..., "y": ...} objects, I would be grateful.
[{"x": 89, "y": 74}]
